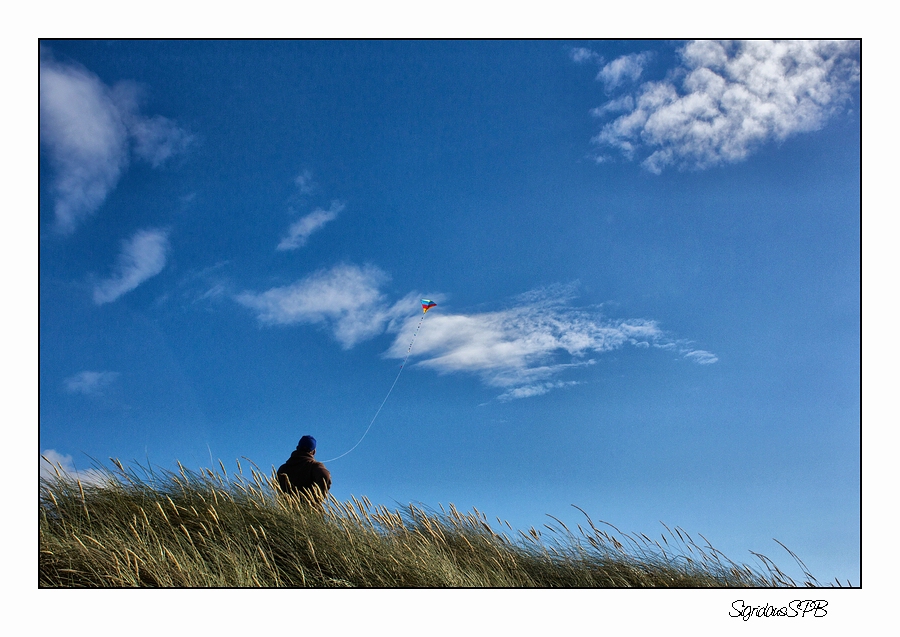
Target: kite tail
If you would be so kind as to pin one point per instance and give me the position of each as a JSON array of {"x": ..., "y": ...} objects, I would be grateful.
[{"x": 402, "y": 365}]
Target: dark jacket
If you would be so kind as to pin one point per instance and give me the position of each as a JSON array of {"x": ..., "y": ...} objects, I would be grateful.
[{"x": 303, "y": 471}]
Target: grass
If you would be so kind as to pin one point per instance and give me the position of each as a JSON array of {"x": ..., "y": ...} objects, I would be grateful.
[{"x": 144, "y": 528}]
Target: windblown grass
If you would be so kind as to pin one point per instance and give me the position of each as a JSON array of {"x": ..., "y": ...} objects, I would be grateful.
[{"x": 141, "y": 528}]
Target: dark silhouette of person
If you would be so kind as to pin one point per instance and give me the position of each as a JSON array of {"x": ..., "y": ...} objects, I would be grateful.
[{"x": 302, "y": 472}]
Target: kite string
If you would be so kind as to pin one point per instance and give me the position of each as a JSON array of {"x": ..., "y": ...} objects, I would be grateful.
[{"x": 402, "y": 365}]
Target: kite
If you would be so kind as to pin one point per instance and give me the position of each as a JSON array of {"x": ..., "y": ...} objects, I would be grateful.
[{"x": 426, "y": 305}]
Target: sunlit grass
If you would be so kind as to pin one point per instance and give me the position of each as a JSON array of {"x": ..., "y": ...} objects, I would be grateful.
[{"x": 139, "y": 527}]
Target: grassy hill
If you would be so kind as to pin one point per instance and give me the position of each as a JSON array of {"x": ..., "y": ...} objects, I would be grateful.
[{"x": 150, "y": 529}]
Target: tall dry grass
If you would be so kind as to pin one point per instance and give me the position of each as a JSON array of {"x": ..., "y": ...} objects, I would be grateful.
[{"x": 135, "y": 527}]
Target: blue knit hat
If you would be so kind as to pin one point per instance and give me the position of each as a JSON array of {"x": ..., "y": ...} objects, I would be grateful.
[{"x": 307, "y": 443}]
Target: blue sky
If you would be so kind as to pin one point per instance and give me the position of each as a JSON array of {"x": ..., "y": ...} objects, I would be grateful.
[{"x": 645, "y": 254}]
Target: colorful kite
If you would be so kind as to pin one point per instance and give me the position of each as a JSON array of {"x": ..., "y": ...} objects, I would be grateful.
[{"x": 427, "y": 305}]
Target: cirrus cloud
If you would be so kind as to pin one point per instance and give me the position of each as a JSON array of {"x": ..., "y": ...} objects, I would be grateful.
[
  {"x": 300, "y": 231},
  {"x": 702, "y": 357},
  {"x": 143, "y": 256},
  {"x": 521, "y": 350},
  {"x": 89, "y": 383}
]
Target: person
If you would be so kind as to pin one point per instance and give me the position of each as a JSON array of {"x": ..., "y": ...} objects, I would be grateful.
[{"x": 302, "y": 472}]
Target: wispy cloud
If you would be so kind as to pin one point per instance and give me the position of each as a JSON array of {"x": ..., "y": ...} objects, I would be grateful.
[
  {"x": 157, "y": 138},
  {"x": 624, "y": 103},
  {"x": 53, "y": 463},
  {"x": 89, "y": 383},
  {"x": 625, "y": 69},
  {"x": 518, "y": 347},
  {"x": 305, "y": 183},
  {"x": 205, "y": 285},
  {"x": 701, "y": 356},
  {"x": 537, "y": 389},
  {"x": 726, "y": 99},
  {"x": 345, "y": 299},
  {"x": 522, "y": 349},
  {"x": 143, "y": 256},
  {"x": 88, "y": 130},
  {"x": 300, "y": 231},
  {"x": 581, "y": 55}
]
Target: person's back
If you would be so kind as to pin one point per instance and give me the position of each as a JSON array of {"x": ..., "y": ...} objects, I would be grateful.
[{"x": 302, "y": 472}]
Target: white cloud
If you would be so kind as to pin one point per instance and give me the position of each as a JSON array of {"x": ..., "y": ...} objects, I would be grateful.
[
  {"x": 624, "y": 103},
  {"x": 727, "y": 98},
  {"x": 580, "y": 55},
  {"x": 305, "y": 183},
  {"x": 142, "y": 257},
  {"x": 89, "y": 383},
  {"x": 87, "y": 129},
  {"x": 157, "y": 138},
  {"x": 507, "y": 347},
  {"x": 627, "y": 68},
  {"x": 538, "y": 389},
  {"x": 53, "y": 463},
  {"x": 300, "y": 231},
  {"x": 520, "y": 349},
  {"x": 209, "y": 284},
  {"x": 702, "y": 357},
  {"x": 86, "y": 138},
  {"x": 346, "y": 299}
]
